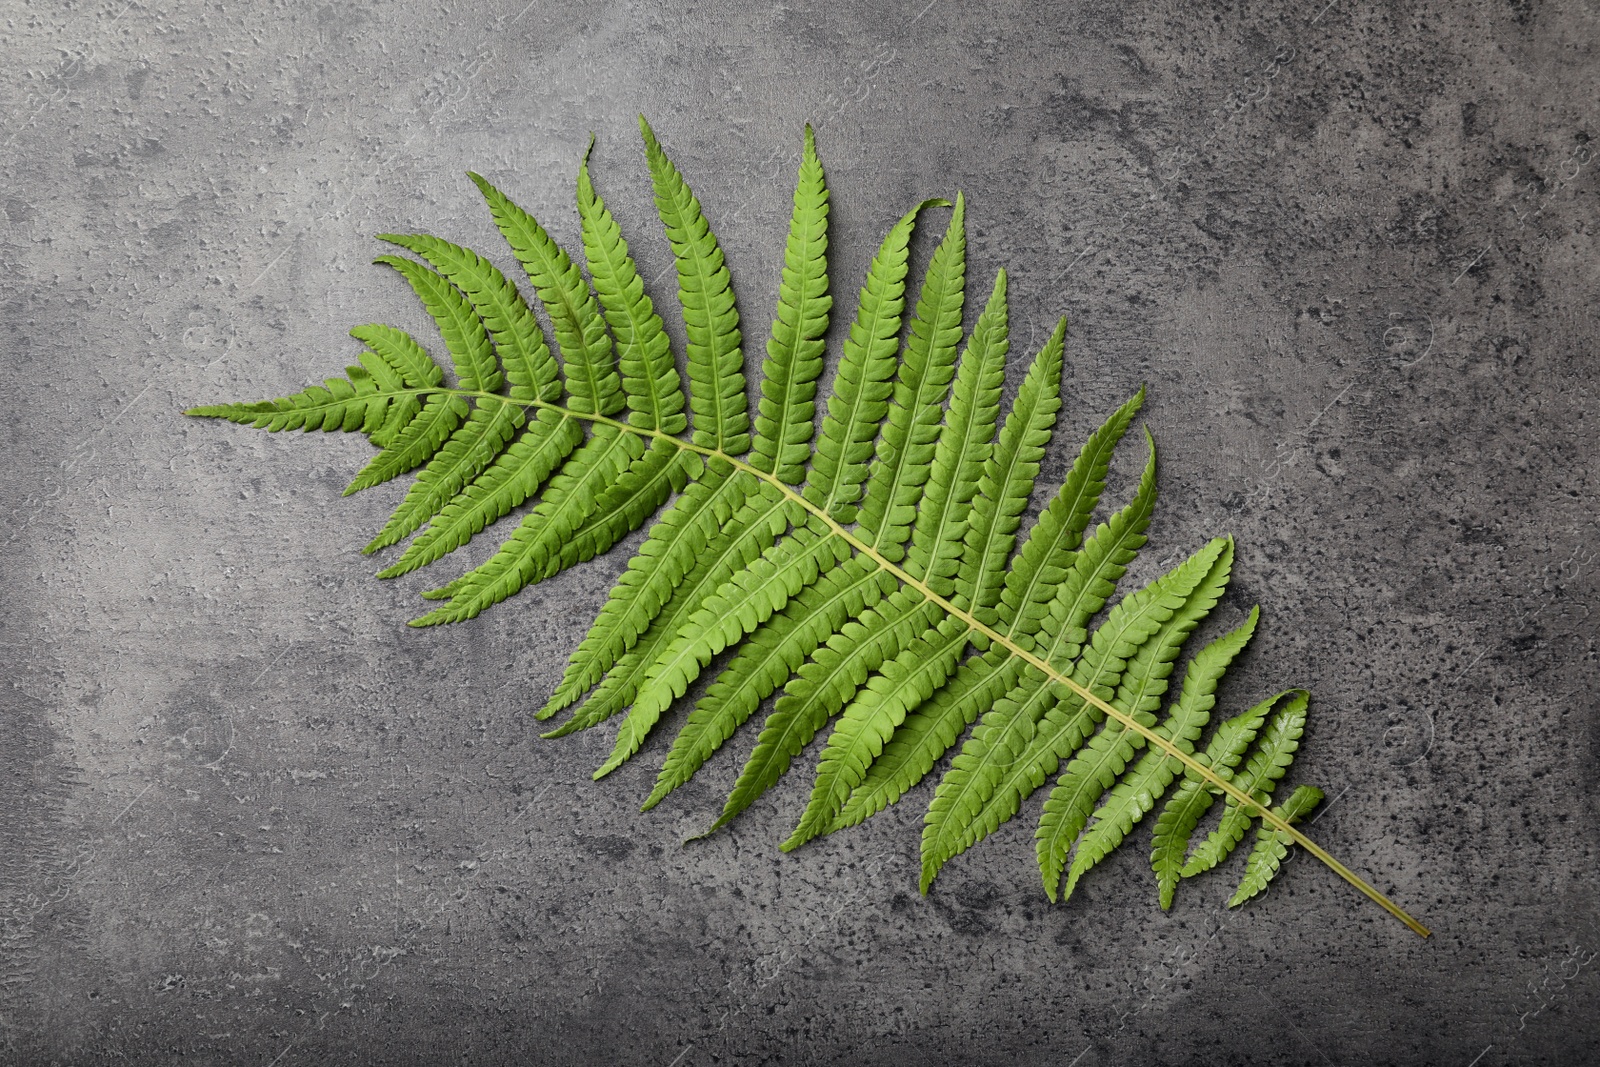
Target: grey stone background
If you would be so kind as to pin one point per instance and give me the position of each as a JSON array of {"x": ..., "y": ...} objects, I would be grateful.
[{"x": 247, "y": 816}]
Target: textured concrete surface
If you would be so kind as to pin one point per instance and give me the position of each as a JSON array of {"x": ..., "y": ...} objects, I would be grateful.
[{"x": 247, "y": 816}]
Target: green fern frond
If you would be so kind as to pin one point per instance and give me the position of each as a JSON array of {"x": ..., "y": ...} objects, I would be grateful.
[
  {"x": 910, "y": 432},
  {"x": 529, "y": 367},
  {"x": 853, "y": 575},
  {"x": 1021, "y": 741},
  {"x": 1193, "y": 797},
  {"x": 1098, "y": 764},
  {"x": 786, "y": 412},
  {"x": 1142, "y": 787},
  {"x": 1270, "y": 759},
  {"x": 861, "y": 387},
  {"x": 649, "y": 376},
  {"x": 740, "y": 542},
  {"x": 1272, "y": 845},
  {"x": 705, "y": 292}
]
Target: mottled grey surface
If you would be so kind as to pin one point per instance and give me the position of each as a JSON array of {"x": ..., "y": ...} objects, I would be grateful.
[{"x": 247, "y": 816}]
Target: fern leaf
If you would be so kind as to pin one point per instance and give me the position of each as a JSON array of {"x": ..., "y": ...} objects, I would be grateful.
[
  {"x": 932, "y": 728},
  {"x": 570, "y": 498},
  {"x": 927, "y": 733},
  {"x": 514, "y": 476},
  {"x": 1274, "y": 752},
  {"x": 355, "y": 402},
  {"x": 965, "y": 445},
  {"x": 417, "y": 370},
  {"x": 847, "y": 592},
  {"x": 1192, "y": 799},
  {"x": 1008, "y": 479},
  {"x": 861, "y": 388},
  {"x": 666, "y": 558},
  {"x": 649, "y": 376},
  {"x": 464, "y": 335},
  {"x": 1097, "y": 765},
  {"x": 748, "y": 599},
  {"x": 710, "y": 318},
  {"x": 422, "y": 437},
  {"x": 872, "y": 718},
  {"x": 786, "y": 412},
  {"x": 910, "y": 433},
  {"x": 853, "y": 564},
  {"x": 471, "y": 448},
  {"x": 402, "y": 352},
  {"x": 593, "y": 386},
  {"x": 1142, "y": 787},
  {"x": 742, "y": 540},
  {"x": 530, "y": 369},
  {"x": 818, "y": 690},
  {"x": 1272, "y": 844},
  {"x": 375, "y": 396},
  {"x": 1050, "y": 548},
  {"x": 1014, "y": 750},
  {"x": 626, "y": 503},
  {"x": 1095, "y": 571}
]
